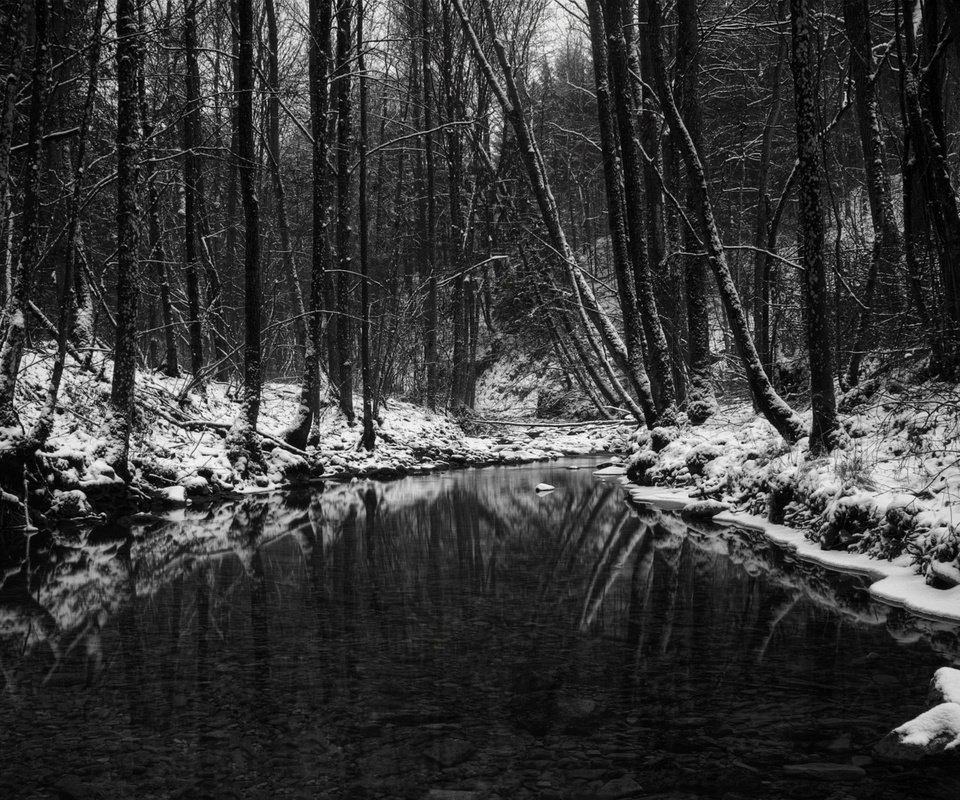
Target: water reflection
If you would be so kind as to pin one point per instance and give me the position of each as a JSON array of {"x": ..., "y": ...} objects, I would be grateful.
[{"x": 451, "y": 631}]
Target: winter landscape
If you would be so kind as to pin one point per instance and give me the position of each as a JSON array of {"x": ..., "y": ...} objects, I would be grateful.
[{"x": 480, "y": 399}]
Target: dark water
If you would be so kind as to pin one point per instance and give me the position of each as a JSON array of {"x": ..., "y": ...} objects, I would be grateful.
[{"x": 455, "y": 632}]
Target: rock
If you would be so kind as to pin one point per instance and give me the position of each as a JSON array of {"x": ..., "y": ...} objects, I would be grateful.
[
  {"x": 70, "y": 787},
  {"x": 944, "y": 686},
  {"x": 70, "y": 504},
  {"x": 544, "y": 487},
  {"x": 195, "y": 486},
  {"x": 700, "y": 456},
  {"x": 934, "y": 732},
  {"x": 825, "y": 771},
  {"x": 451, "y": 794},
  {"x": 704, "y": 509},
  {"x": 578, "y": 714},
  {"x": 611, "y": 471},
  {"x": 625, "y": 786},
  {"x": 613, "y": 461},
  {"x": 450, "y": 752},
  {"x": 640, "y": 464}
]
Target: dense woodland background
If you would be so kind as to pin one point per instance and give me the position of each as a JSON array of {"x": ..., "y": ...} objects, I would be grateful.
[{"x": 375, "y": 199}]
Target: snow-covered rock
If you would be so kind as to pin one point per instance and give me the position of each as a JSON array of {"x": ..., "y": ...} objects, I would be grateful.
[
  {"x": 70, "y": 504},
  {"x": 544, "y": 487},
  {"x": 611, "y": 471},
  {"x": 944, "y": 686},
  {"x": 934, "y": 732}
]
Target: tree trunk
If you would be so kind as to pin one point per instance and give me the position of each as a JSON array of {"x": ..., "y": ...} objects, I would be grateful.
[
  {"x": 625, "y": 105},
  {"x": 369, "y": 436},
  {"x": 887, "y": 242},
  {"x": 701, "y": 402},
  {"x": 321, "y": 17},
  {"x": 128, "y": 236},
  {"x": 243, "y": 444},
  {"x": 44, "y": 424},
  {"x": 762, "y": 276},
  {"x": 786, "y": 421},
  {"x": 344, "y": 256},
  {"x": 279, "y": 191},
  {"x": 924, "y": 112},
  {"x": 11, "y": 85},
  {"x": 613, "y": 180},
  {"x": 158, "y": 255},
  {"x": 191, "y": 186},
  {"x": 14, "y": 314},
  {"x": 825, "y": 427},
  {"x": 429, "y": 242}
]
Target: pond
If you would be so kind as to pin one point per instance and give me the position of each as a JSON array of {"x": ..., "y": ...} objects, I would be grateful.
[{"x": 453, "y": 636}]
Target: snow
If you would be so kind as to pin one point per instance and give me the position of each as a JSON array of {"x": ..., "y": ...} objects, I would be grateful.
[{"x": 544, "y": 487}]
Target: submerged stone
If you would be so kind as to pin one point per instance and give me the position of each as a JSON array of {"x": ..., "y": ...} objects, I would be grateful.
[{"x": 825, "y": 771}]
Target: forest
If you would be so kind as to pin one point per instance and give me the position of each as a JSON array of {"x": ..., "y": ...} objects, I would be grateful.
[{"x": 662, "y": 201}]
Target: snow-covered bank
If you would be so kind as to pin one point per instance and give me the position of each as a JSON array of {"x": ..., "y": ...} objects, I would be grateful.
[
  {"x": 178, "y": 452},
  {"x": 896, "y": 581},
  {"x": 883, "y": 506}
]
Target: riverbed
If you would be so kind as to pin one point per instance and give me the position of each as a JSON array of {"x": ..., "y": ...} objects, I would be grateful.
[{"x": 459, "y": 636}]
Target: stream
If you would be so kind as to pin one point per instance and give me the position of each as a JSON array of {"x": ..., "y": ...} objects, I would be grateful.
[{"x": 456, "y": 636}]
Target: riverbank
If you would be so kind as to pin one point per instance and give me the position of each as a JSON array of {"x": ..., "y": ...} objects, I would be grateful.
[
  {"x": 887, "y": 504},
  {"x": 178, "y": 453}
]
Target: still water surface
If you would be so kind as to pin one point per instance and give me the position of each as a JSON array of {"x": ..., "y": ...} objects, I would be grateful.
[{"x": 454, "y": 633}]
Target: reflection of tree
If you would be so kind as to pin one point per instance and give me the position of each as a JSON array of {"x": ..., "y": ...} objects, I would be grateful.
[{"x": 427, "y": 582}]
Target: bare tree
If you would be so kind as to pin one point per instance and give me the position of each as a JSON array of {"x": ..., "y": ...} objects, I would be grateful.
[
  {"x": 123, "y": 389},
  {"x": 244, "y": 445}
]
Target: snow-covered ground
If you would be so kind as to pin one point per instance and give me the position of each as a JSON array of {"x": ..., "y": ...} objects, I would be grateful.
[
  {"x": 887, "y": 504},
  {"x": 178, "y": 450}
]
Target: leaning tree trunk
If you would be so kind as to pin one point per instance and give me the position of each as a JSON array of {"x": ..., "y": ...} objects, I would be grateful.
[
  {"x": 613, "y": 181},
  {"x": 321, "y": 18},
  {"x": 825, "y": 426},
  {"x": 128, "y": 236},
  {"x": 510, "y": 102},
  {"x": 784, "y": 419},
  {"x": 244, "y": 445}
]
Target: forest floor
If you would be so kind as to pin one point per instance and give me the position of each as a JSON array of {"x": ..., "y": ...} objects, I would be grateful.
[
  {"x": 178, "y": 452},
  {"x": 891, "y": 493}
]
